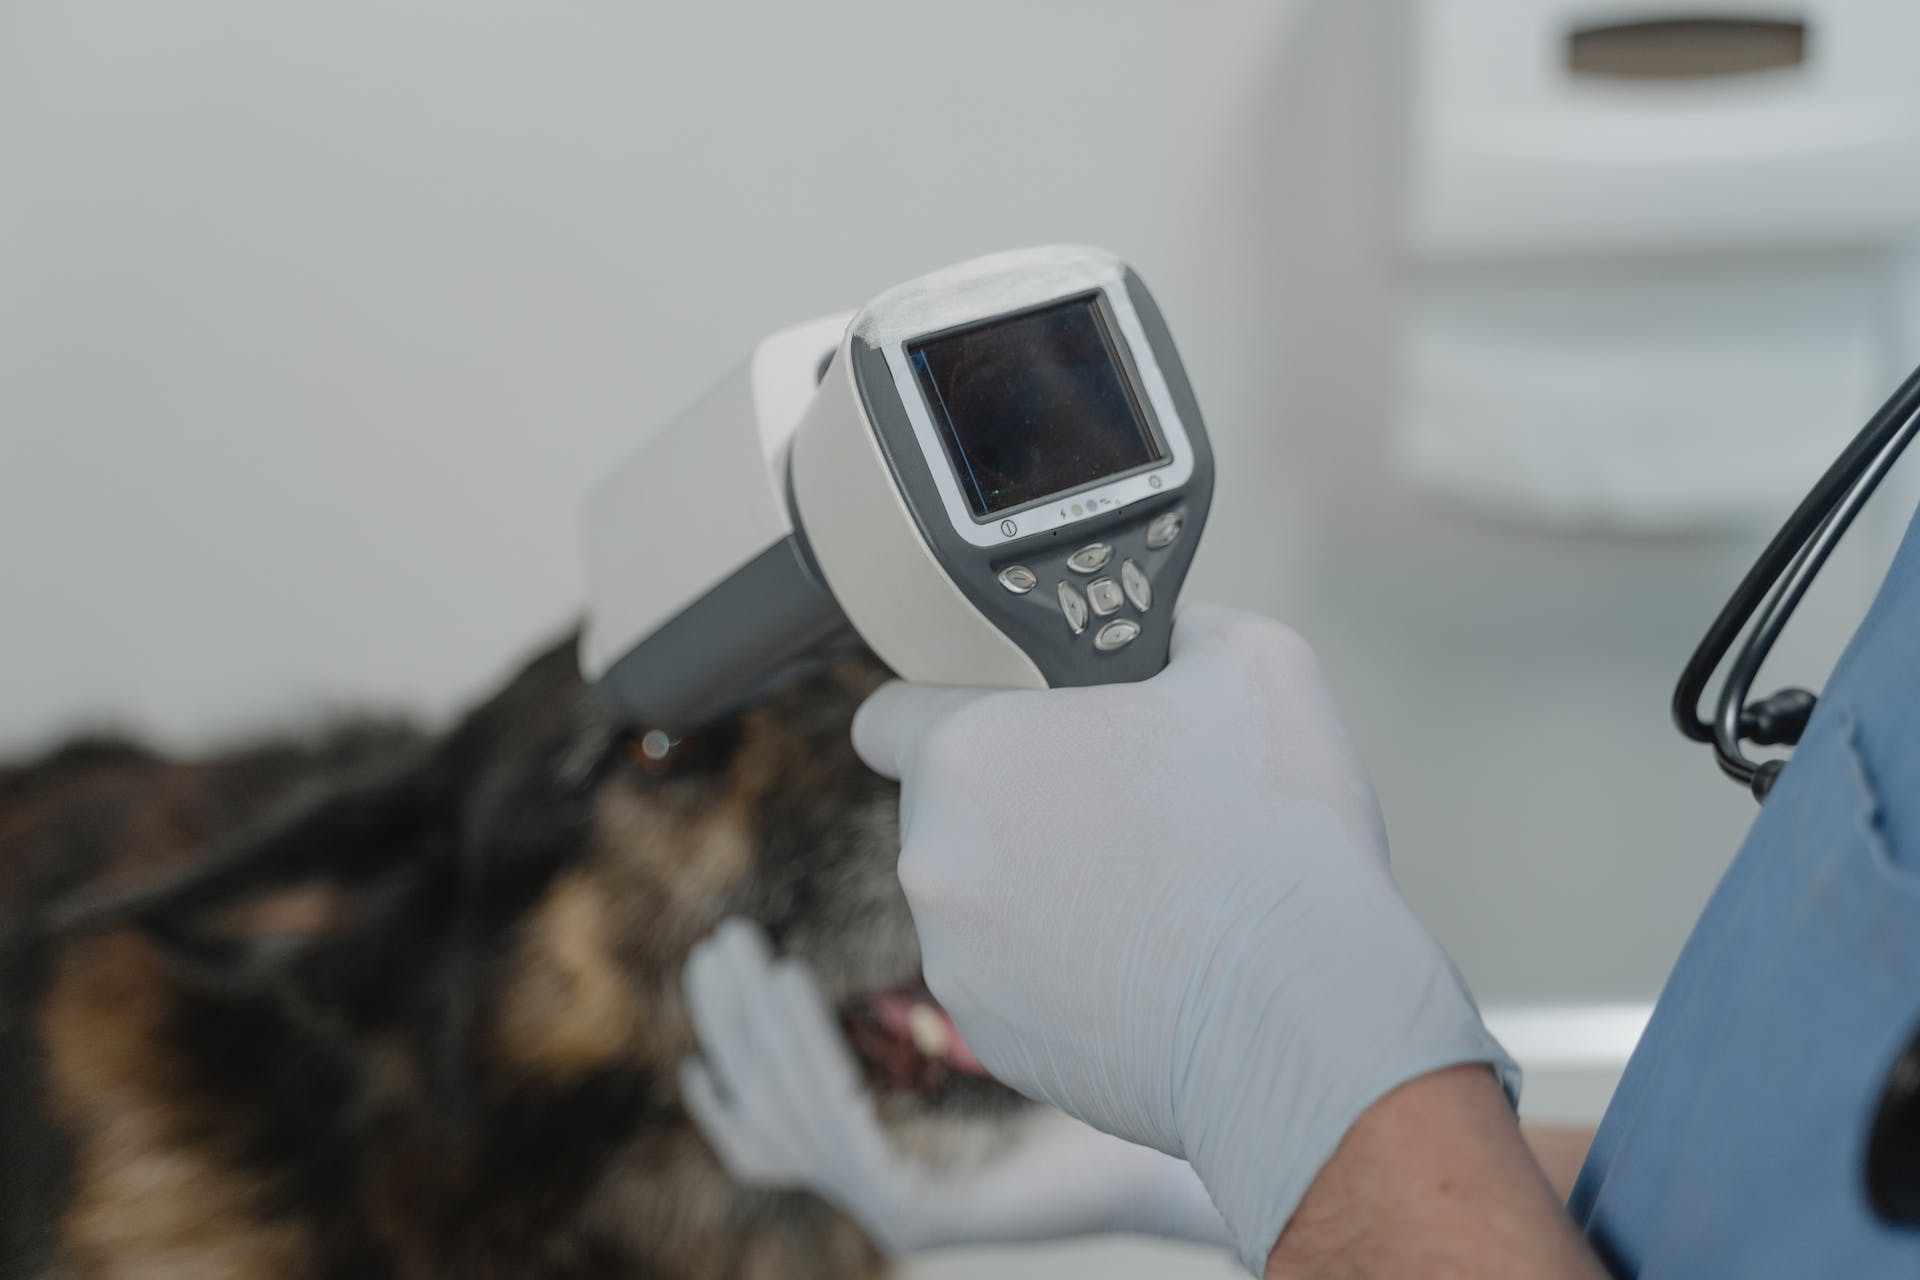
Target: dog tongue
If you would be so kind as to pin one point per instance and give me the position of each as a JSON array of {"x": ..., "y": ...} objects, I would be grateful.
[{"x": 915, "y": 1018}]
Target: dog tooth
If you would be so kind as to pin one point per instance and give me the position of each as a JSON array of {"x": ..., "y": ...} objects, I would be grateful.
[{"x": 929, "y": 1031}]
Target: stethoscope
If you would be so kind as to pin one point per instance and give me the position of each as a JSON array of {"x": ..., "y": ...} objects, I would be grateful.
[{"x": 1772, "y": 589}]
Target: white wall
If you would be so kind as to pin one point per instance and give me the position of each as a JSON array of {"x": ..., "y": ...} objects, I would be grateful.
[{"x": 317, "y": 319}]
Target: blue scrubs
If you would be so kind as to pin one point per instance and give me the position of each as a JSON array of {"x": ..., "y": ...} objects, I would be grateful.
[{"x": 1736, "y": 1144}]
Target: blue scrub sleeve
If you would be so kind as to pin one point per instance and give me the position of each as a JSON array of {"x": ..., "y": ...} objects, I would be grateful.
[{"x": 1736, "y": 1143}]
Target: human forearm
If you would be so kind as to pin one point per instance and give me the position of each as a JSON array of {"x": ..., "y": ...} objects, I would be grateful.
[{"x": 1434, "y": 1179}]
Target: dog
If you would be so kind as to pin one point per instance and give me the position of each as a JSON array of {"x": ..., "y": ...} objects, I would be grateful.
[{"x": 388, "y": 1003}]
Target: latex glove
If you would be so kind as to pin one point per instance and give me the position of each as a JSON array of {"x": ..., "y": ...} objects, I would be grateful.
[
  {"x": 1165, "y": 908},
  {"x": 780, "y": 1100}
]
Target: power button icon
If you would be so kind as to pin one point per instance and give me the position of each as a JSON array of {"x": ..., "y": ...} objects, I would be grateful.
[{"x": 1009, "y": 528}]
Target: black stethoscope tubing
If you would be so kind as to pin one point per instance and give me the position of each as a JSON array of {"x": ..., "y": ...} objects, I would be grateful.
[
  {"x": 1773, "y": 588},
  {"x": 1893, "y": 1144}
]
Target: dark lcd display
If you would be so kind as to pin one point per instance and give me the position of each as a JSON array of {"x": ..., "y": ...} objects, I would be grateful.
[{"x": 1032, "y": 406}]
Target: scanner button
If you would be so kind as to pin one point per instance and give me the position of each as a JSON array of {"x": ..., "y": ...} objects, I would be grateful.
[
  {"x": 1104, "y": 595},
  {"x": 1091, "y": 558},
  {"x": 1074, "y": 605},
  {"x": 1163, "y": 529},
  {"x": 1018, "y": 579},
  {"x": 1117, "y": 634},
  {"x": 1139, "y": 590}
]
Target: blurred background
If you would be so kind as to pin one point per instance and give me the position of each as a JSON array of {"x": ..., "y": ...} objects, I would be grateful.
[{"x": 1518, "y": 325}]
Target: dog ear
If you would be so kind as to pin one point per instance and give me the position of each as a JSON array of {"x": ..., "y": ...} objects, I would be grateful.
[{"x": 318, "y": 903}]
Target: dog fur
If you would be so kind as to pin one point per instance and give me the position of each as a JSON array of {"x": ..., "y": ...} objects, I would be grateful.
[{"x": 384, "y": 1003}]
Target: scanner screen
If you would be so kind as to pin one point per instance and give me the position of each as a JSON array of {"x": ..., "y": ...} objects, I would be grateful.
[{"x": 1032, "y": 406}]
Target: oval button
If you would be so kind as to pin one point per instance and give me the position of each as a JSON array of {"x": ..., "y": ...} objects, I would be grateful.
[
  {"x": 1091, "y": 558},
  {"x": 1074, "y": 606},
  {"x": 1117, "y": 634},
  {"x": 1018, "y": 579},
  {"x": 1139, "y": 590},
  {"x": 1163, "y": 530}
]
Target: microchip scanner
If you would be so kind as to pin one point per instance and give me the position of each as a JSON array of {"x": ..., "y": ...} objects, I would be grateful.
[{"x": 995, "y": 475}]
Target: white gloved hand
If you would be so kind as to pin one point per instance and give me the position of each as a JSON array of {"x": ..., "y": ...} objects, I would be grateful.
[
  {"x": 1165, "y": 908},
  {"x": 779, "y": 1099}
]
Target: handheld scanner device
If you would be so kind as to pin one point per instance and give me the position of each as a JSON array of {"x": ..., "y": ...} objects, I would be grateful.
[{"x": 995, "y": 474}]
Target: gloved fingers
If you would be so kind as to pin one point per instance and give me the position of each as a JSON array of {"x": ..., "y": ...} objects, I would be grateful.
[
  {"x": 715, "y": 1122},
  {"x": 719, "y": 992},
  {"x": 895, "y": 717},
  {"x": 1196, "y": 626},
  {"x": 703, "y": 1103},
  {"x": 837, "y": 1111},
  {"x": 812, "y": 1034},
  {"x": 801, "y": 1097},
  {"x": 796, "y": 1114},
  {"x": 1201, "y": 629},
  {"x": 750, "y": 966},
  {"x": 813, "y": 1087},
  {"x": 737, "y": 1016}
]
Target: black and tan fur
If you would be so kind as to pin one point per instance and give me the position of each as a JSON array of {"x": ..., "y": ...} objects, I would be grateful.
[{"x": 389, "y": 1004}]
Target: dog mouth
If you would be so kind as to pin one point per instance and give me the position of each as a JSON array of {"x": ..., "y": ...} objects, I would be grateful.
[{"x": 904, "y": 1038}]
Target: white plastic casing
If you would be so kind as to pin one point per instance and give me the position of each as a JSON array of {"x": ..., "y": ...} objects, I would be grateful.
[
  {"x": 1650, "y": 303},
  {"x": 699, "y": 498},
  {"x": 1515, "y": 153},
  {"x": 896, "y": 594}
]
